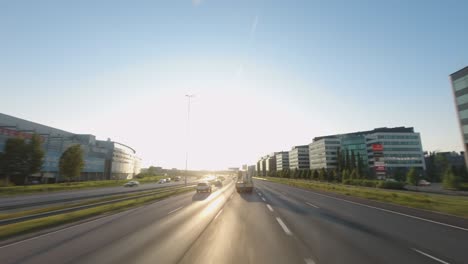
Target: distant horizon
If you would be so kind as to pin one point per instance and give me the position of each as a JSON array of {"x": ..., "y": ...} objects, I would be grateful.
[{"x": 145, "y": 166}]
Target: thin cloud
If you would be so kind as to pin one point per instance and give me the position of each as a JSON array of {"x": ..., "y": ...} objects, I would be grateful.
[
  {"x": 253, "y": 28},
  {"x": 197, "y": 2}
]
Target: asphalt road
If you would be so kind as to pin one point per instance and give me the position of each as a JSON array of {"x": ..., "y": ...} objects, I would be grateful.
[
  {"x": 26, "y": 200},
  {"x": 275, "y": 224}
]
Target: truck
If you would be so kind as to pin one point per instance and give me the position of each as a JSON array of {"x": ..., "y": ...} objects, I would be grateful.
[{"x": 244, "y": 182}]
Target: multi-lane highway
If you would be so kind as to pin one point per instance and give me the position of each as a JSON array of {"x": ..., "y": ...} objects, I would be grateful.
[
  {"x": 275, "y": 224},
  {"x": 21, "y": 201}
]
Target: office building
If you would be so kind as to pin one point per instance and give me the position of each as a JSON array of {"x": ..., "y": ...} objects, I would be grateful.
[
  {"x": 299, "y": 157},
  {"x": 323, "y": 153},
  {"x": 459, "y": 82},
  {"x": 104, "y": 159},
  {"x": 382, "y": 150},
  {"x": 270, "y": 164},
  {"x": 282, "y": 160}
]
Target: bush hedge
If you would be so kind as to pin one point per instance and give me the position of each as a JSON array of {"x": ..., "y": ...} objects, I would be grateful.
[{"x": 375, "y": 183}]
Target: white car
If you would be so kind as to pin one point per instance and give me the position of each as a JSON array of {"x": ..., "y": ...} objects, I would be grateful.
[
  {"x": 162, "y": 181},
  {"x": 424, "y": 183},
  {"x": 203, "y": 187},
  {"x": 131, "y": 184}
]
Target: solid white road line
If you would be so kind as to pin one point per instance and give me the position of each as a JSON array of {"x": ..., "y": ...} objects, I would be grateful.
[
  {"x": 263, "y": 199},
  {"x": 220, "y": 211},
  {"x": 390, "y": 211},
  {"x": 309, "y": 261},
  {"x": 429, "y": 256},
  {"x": 269, "y": 207},
  {"x": 285, "y": 228},
  {"x": 175, "y": 210},
  {"x": 313, "y": 205}
]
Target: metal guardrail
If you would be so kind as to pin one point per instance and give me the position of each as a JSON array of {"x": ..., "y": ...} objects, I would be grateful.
[
  {"x": 18, "y": 206},
  {"x": 82, "y": 207}
]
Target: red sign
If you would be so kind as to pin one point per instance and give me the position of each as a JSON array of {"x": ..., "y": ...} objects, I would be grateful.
[
  {"x": 379, "y": 168},
  {"x": 14, "y": 133},
  {"x": 377, "y": 147}
]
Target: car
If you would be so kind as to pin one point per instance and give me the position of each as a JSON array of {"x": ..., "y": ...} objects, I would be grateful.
[
  {"x": 178, "y": 178},
  {"x": 131, "y": 184},
  {"x": 162, "y": 181},
  {"x": 218, "y": 183},
  {"x": 168, "y": 180},
  {"x": 203, "y": 187},
  {"x": 424, "y": 183},
  {"x": 221, "y": 178}
]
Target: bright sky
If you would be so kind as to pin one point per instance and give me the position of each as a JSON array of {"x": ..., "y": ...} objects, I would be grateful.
[{"x": 267, "y": 75}]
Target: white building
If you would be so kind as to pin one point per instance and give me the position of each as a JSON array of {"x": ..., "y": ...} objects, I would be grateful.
[
  {"x": 299, "y": 157},
  {"x": 282, "y": 160},
  {"x": 323, "y": 153}
]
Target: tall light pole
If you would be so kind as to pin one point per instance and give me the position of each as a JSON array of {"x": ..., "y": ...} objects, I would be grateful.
[{"x": 189, "y": 96}]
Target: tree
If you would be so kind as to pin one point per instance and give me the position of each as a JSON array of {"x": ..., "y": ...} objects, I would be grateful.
[
  {"x": 451, "y": 181},
  {"x": 332, "y": 175},
  {"x": 14, "y": 159},
  {"x": 322, "y": 174},
  {"x": 353, "y": 160},
  {"x": 71, "y": 162},
  {"x": 316, "y": 175},
  {"x": 344, "y": 175},
  {"x": 339, "y": 159},
  {"x": 412, "y": 177},
  {"x": 399, "y": 174},
  {"x": 359, "y": 166},
  {"x": 35, "y": 155},
  {"x": 353, "y": 175},
  {"x": 347, "y": 161}
]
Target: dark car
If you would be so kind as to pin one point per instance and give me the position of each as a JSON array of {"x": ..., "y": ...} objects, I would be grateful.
[{"x": 218, "y": 183}]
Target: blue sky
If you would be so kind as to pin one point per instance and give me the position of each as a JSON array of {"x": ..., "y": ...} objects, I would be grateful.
[{"x": 267, "y": 74}]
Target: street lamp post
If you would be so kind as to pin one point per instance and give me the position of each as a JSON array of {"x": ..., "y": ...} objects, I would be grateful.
[{"x": 189, "y": 96}]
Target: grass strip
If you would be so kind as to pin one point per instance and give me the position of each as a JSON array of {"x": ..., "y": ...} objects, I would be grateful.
[
  {"x": 29, "y": 189},
  {"x": 68, "y": 205},
  {"x": 447, "y": 204},
  {"x": 11, "y": 230}
]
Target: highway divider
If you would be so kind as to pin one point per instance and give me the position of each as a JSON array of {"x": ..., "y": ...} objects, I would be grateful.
[
  {"x": 73, "y": 208},
  {"x": 33, "y": 204},
  {"x": 44, "y": 222}
]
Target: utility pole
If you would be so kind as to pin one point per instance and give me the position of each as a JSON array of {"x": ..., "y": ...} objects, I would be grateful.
[{"x": 189, "y": 96}]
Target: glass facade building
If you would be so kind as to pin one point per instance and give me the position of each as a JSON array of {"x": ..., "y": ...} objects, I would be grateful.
[
  {"x": 402, "y": 149},
  {"x": 459, "y": 82},
  {"x": 104, "y": 160}
]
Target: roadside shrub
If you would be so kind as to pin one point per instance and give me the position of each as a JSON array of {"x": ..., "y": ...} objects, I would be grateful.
[
  {"x": 391, "y": 185},
  {"x": 450, "y": 180},
  {"x": 361, "y": 182}
]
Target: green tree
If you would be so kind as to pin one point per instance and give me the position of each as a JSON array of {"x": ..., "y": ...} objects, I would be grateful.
[
  {"x": 321, "y": 174},
  {"x": 71, "y": 162},
  {"x": 353, "y": 175},
  {"x": 347, "y": 160},
  {"x": 412, "y": 177},
  {"x": 353, "y": 160},
  {"x": 360, "y": 166},
  {"x": 450, "y": 180},
  {"x": 399, "y": 174},
  {"x": 15, "y": 166},
  {"x": 344, "y": 175},
  {"x": 332, "y": 175},
  {"x": 315, "y": 175},
  {"x": 35, "y": 154},
  {"x": 339, "y": 159}
]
